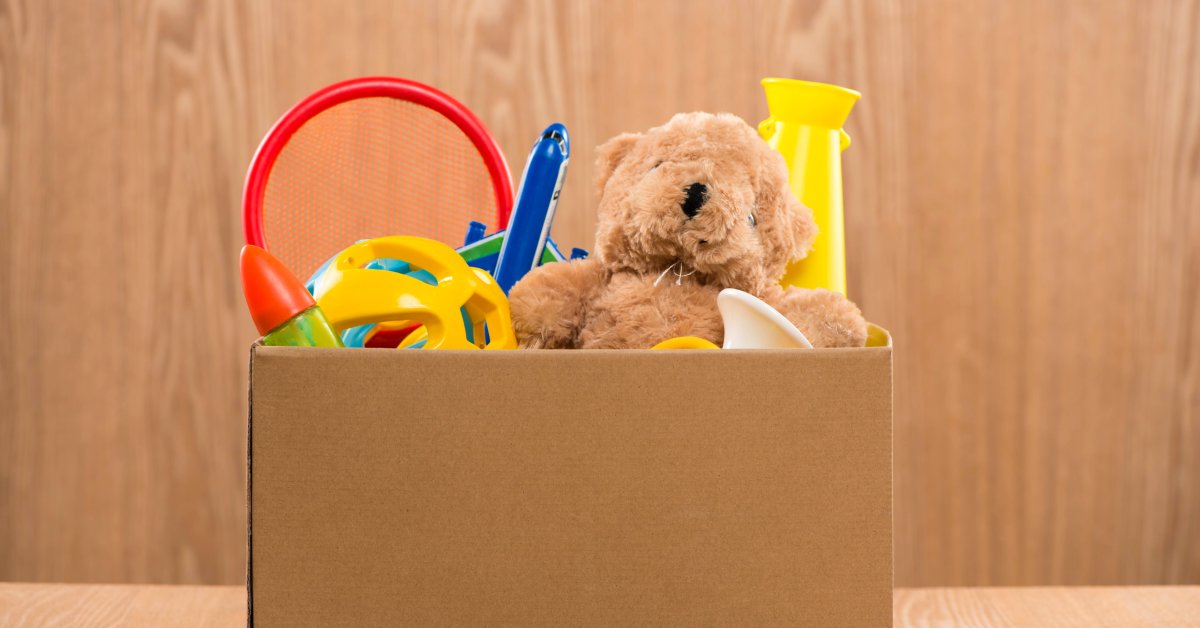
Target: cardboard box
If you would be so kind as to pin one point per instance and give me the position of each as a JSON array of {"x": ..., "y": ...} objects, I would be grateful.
[{"x": 570, "y": 488}]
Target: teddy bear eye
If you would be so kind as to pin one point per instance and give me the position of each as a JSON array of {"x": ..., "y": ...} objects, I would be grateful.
[{"x": 753, "y": 221}]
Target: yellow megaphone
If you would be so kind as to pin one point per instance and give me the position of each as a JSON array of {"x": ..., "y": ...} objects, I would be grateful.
[{"x": 806, "y": 127}]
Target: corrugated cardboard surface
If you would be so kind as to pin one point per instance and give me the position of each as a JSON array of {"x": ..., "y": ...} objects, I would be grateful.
[{"x": 570, "y": 487}]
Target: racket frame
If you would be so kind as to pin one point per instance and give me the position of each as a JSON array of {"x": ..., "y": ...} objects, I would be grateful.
[{"x": 369, "y": 87}]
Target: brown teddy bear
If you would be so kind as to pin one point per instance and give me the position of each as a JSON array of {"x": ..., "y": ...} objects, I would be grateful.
[{"x": 686, "y": 209}]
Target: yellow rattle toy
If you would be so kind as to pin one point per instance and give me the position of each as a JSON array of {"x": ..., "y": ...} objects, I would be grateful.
[{"x": 351, "y": 295}]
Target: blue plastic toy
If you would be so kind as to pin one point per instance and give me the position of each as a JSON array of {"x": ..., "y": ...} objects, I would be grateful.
[{"x": 533, "y": 212}]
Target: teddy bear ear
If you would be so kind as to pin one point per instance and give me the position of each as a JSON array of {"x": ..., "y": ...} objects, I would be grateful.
[
  {"x": 792, "y": 221},
  {"x": 610, "y": 154},
  {"x": 804, "y": 228}
]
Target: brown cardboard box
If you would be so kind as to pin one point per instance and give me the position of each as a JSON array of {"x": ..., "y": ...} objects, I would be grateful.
[{"x": 570, "y": 488}]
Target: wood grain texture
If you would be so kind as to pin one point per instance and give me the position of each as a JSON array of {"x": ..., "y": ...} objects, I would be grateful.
[
  {"x": 121, "y": 605},
  {"x": 1048, "y": 375},
  {"x": 1050, "y": 607},
  {"x": 1047, "y": 607},
  {"x": 1021, "y": 199}
]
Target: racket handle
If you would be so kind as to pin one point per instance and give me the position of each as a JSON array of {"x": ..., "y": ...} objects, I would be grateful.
[{"x": 529, "y": 227}]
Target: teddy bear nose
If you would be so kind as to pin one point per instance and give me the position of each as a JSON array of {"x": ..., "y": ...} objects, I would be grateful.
[{"x": 697, "y": 196}]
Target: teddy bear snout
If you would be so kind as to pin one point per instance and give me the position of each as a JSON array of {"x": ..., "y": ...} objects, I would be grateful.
[{"x": 697, "y": 196}]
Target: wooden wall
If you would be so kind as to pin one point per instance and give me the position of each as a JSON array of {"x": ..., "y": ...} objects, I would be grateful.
[{"x": 1023, "y": 212}]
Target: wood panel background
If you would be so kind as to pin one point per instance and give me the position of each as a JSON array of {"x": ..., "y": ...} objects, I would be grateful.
[{"x": 1022, "y": 213}]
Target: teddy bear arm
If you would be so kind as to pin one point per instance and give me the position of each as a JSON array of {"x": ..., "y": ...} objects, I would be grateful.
[
  {"x": 549, "y": 304},
  {"x": 827, "y": 318}
]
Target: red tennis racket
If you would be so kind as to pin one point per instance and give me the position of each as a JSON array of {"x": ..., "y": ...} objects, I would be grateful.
[{"x": 372, "y": 157}]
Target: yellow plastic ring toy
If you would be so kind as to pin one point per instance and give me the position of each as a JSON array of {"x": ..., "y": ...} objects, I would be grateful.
[{"x": 351, "y": 295}]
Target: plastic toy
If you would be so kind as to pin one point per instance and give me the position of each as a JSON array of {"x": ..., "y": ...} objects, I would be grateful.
[
  {"x": 805, "y": 126},
  {"x": 749, "y": 324},
  {"x": 685, "y": 210},
  {"x": 752, "y": 324},
  {"x": 352, "y": 295},
  {"x": 392, "y": 334},
  {"x": 484, "y": 251},
  {"x": 537, "y": 197},
  {"x": 685, "y": 342},
  {"x": 283, "y": 310},
  {"x": 369, "y": 157},
  {"x": 479, "y": 252}
]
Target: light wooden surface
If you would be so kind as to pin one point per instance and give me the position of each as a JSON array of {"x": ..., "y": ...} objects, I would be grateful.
[
  {"x": 1021, "y": 200},
  {"x": 1048, "y": 607},
  {"x": 121, "y": 605},
  {"x": 129, "y": 605}
]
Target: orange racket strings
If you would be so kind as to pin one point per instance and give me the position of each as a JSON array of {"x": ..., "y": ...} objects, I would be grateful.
[{"x": 368, "y": 168}]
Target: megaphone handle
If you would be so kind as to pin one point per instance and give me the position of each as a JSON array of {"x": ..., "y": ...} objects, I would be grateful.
[{"x": 767, "y": 128}]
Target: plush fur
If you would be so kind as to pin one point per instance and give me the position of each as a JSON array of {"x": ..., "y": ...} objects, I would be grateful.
[{"x": 686, "y": 209}]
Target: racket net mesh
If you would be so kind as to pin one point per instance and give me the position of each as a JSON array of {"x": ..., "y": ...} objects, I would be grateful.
[{"x": 369, "y": 168}]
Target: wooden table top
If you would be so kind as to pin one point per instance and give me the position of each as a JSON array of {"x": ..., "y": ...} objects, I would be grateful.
[
  {"x": 1048, "y": 607},
  {"x": 156, "y": 605}
]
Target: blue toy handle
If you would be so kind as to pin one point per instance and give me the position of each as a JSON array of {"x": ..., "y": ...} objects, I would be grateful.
[{"x": 537, "y": 197}]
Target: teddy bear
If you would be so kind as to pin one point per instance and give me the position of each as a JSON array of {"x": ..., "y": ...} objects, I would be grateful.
[{"x": 685, "y": 210}]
